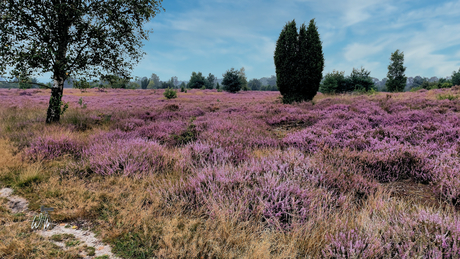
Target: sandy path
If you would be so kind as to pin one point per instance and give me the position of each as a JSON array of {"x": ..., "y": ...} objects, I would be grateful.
[{"x": 18, "y": 204}]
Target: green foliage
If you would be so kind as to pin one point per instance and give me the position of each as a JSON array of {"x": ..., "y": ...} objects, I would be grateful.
[
  {"x": 83, "y": 85},
  {"x": 154, "y": 82},
  {"x": 189, "y": 135},
  {"x": 232, "y": 82},
  {"x": 151, "y": 85},
  {"x": 91, "y": 251},
  {"x": 182, "y": 89},
  {"x": 86, "y": 37},
  {"x": 25, "y": 83},
  {"x": 396, "y": 78},
  {"x": 333, "y": 83},
  {"x": 116, "y": 81},
  {"x": 81, "y": 103},
  {"x": 133, "y": 85},
  {"x": 197, "y": 81},
  {"x": 447, "y": 96},
  {"x": 360, "y": 80},
  {"x": 217, "y": 86},
  {"x": 144, "y": 83},
  {"x": 243, "y": 79},
  {"x": 456, "y": 77},
  {"x": 133, "y": 245},
  {"x": 210, "y": 80},
  {"x": 183, "y": 85},
  {"x": 299, "y": 62},
  {"x": 170, "y": 93},
  {"x": 415, "y": 89},
  {"x": 254, "y": 84},
  {"x": 446, "y": 85},
  {"x": 168, "y": 84}
]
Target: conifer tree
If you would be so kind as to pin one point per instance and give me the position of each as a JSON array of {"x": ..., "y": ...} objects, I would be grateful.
[
  {"x": 396, "y": 78},
  {"x": 285, "y": 60},
  {"x": 313, "y": 62},
  {"x": 299, "y": 62}
]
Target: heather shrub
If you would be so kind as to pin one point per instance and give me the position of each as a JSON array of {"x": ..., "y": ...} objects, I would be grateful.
[
  {"x": 129, "y": 124},
  {"x": 163, "y": 132},
  {"x": 279, "y": 190},
  {"x": 53, "y": 147},
  {"x": 127, "y": 157},
  {"x": 352, "y": 244}
]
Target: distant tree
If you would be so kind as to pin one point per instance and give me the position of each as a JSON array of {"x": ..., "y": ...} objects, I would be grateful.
[
  {"x": 299, "y": 62},
  {"x": 232, "y": 81},
  {"x": 360, "y": 80},
  {"x": 168, "y": 84},
  {"x": 396, "y": 78},
  {"x": 333, "y": 83},
  {"x": 175, "y": 81},
  {"x": 156, "y": 80},
  {"x": 271, "y": 80},
  {"x": 144, "y": 82},
  {"x": 210, "y": 81},
  {"x": 243, "y": 79},
  {"x": 115, "y": 81},
  {"x": 82, "y": 84},
  {"x": 217, "y": 86},
  {"x": 133, "y": 85},
  {"x": 25, "y": 83},
  {"x": 66, "y": 38},
  {"x": 151, "y": 85},
  {"x": 456, "y": 77},
  {"x": 254, "y": 84},
  {"x": 183, "y": 85},
  {"x": 197, "y": 81},
  {"x": 418, "y": 81}
]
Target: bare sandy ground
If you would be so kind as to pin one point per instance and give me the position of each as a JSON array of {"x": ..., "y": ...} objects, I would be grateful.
[{"x": 18, "y": 204}]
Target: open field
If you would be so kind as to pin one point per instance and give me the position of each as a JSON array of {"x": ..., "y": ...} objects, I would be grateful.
[{"x": 218, "y": 175}]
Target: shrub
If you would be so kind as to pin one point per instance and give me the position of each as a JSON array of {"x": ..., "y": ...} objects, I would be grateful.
[
  {"x": 231, "y": 82},
  {"x": 446, "y": 96},
  {"x": 51, "y": 148},
  {"x": 126, "y": 156},
  {"x": 170, "y": 93}
]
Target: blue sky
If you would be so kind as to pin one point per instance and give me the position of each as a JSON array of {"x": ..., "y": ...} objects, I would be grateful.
[{"x": 211, "y": 36}]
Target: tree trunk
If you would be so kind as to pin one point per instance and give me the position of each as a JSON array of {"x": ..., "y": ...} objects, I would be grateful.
[{"x": 54, "y": 109}]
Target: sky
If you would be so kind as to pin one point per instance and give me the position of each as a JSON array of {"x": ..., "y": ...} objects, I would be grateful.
[{"x": 212, "y": 36}]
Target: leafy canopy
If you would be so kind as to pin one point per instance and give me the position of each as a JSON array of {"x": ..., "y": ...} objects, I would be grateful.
[
  {"x": 69, "y": 37},
  {"x": 396, "y": 78}
]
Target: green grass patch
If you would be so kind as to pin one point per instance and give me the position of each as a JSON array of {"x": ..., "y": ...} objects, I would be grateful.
[{"x": 132, "y": 245}]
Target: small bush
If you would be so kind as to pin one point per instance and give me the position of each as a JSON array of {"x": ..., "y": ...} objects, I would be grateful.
[
  {"x": 446, "y": 96},
  {"x": 170, "y": 93}
]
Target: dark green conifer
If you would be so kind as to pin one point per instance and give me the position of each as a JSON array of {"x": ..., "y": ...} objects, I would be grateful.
[{"x": 299, "y": 62}]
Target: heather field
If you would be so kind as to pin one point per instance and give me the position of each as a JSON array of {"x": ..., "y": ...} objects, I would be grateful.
[{"x": 218, "y": 175}]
